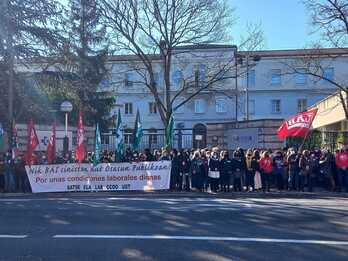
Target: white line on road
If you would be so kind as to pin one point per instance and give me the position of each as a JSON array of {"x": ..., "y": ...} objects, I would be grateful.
[
  {"x": 13, "y": 236},
  {"x": 207, "y": 238}
]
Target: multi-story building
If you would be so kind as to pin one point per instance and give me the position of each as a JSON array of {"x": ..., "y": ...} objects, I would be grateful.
[{"x": 270, "y": 85}]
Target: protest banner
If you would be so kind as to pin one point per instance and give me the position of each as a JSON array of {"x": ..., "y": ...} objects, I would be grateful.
[{"x": 145, "y": 176}]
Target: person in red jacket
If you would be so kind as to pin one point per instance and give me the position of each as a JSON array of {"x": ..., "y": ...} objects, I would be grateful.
[
  {"x": 266, "y": 166},
  {"x": 342, "y": 169}
]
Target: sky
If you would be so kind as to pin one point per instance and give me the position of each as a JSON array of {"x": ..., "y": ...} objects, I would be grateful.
[{"x": 286, "y": 23}]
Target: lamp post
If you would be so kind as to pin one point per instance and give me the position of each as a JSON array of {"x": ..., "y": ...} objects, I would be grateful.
[
  {"x": 66, "y": 107},
  {"x": 255, "y": 58}
]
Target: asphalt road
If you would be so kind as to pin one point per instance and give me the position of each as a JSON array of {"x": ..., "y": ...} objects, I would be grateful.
[{"x": 172, "y": 227}]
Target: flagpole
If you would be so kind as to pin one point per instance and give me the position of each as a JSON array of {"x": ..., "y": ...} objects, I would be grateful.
[{"x": 303, "y": 142}]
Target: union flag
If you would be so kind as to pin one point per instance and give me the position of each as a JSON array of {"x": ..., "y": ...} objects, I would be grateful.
[
  {"x": 80, "y": 150},
  {"x": 51, "y": 147},
  {"x": 298, "y": 125},
  {"x": 33, "y": 142}
]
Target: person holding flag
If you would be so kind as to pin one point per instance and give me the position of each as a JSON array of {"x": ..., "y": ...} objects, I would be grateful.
[
  {"x": 119, "y": 142},
  {"x": 51, "y": 147},
  {"x": 138, "y": 132},
  {"x": 97, "y": 148},
  {"x": 80, "y": 150}
]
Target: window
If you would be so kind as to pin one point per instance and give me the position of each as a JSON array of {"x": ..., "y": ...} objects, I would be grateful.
[
  {"x": 276, "y": 78},
  {"x": 220, "y": 105},
  {"x": 129, "y": 79},
  {"x": 128, "y": 137},
  {"x": 177, "y": 101},
  {"x": 128, "y": 108},
  {"x": 276, "y": 108},
  {"x": 152, "y": 108},
  {"x": 251, "y": 107},
  {"x": 301, "y": 105},
  {"x": 199, "y": 71},
  {"x": 202, "y": 71},
  {"x": 301, "y": 76},
  {"x": 251, "y": 78},
  {"x": 157, "y": 79},
  {"x": 199, "y": 106},
  {"x": 328, "y": 73},
  {"x": 177, "y": 78},
  {"x": 152, "y": 136}
]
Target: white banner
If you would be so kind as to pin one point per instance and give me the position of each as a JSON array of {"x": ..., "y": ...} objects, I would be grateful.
[
  {"x": 144, "y": 176},
  {"x": 44, "y": 137}
]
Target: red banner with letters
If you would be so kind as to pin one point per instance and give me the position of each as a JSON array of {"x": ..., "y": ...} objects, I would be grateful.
[{"x": 298, "y": 125}]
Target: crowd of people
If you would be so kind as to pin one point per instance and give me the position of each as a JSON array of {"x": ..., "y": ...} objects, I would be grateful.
[{"x": 214, "y": 170}]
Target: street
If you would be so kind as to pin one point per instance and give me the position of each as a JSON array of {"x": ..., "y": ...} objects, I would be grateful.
[{"x": 172, "y": 227}]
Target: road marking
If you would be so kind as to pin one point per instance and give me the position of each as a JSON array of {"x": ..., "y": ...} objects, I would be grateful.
[
  {"x": 207, "y": 238},
  {"x": 13, "y": 236}
]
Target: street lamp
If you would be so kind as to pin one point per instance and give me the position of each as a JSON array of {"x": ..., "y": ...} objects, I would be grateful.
[
  {"x": 255, "y": 58},
  {"x": 66, "y": 107}
]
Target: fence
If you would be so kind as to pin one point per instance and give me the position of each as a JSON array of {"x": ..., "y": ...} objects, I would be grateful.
[
  {"x": 330, "y": 140},
  {"x": 152, "y": 139}
]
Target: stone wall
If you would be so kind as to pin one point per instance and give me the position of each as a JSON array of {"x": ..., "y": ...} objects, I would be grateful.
[{"x": 246, "y": 134}]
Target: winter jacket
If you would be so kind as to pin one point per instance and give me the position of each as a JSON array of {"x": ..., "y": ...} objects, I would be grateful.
[{"x": 266, "y": 164}]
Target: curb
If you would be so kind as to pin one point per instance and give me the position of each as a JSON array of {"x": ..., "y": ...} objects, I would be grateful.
[{"x": 165, "y": 194}]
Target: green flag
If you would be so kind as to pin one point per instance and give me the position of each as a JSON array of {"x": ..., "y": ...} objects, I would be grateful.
[
  {"x": 119, "y": 142},
  {"x": 1, "y": 136},
  {"x": 97, "y": 150},
  {"x": 170, "y": 132},
  {"x": 138, "y": 132}
]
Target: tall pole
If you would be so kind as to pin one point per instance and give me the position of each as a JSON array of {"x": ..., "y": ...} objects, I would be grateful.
[
  {"x": 247, "y": 90},
  {"x": 66, "y": 124},
  {"x": 10, "y": 67},
  {"x": 236, "y": 87}
]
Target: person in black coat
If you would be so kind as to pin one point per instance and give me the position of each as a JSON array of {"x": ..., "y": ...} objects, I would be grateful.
[
  {"x": 175, "y": 172},
  {"x": 214, "y": 168},
  {"x": 238, "y": 163},
  {"x": 185, "y": 169},
  {"x": 205, "y": 159},
  {"x": 197, "y": 171},
  {"x": 226, "y": 171}
]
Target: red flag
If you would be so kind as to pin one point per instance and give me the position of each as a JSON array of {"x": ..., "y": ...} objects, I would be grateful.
[
  {"x": 298, "y": 125},
  {"x": 51, "y": 147},
  {"x": 33, "y": 141},
  {"x": 80, "y": 150}
]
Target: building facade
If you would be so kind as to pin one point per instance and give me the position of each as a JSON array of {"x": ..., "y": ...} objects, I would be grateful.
[{"x": 269, "y": 85}]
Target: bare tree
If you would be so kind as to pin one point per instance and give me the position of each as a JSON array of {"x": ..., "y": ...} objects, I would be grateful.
[
  {"x": 158, "y": 28},
  {"x": 330, "y": 18},
  {"x": 317, "y": 64}
]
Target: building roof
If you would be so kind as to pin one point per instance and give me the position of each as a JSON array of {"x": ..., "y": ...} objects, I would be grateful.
[
  {"x": 133, "y": 57},
  {"x": 296, "y": 52},
  {"x": 205, "y": 46}
]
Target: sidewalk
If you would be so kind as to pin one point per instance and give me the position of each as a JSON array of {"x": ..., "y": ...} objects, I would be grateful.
[{"x": 166, "y": 194}]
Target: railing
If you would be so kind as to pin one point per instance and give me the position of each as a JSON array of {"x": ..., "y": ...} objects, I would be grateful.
[{"x": 151, "y": 139}]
